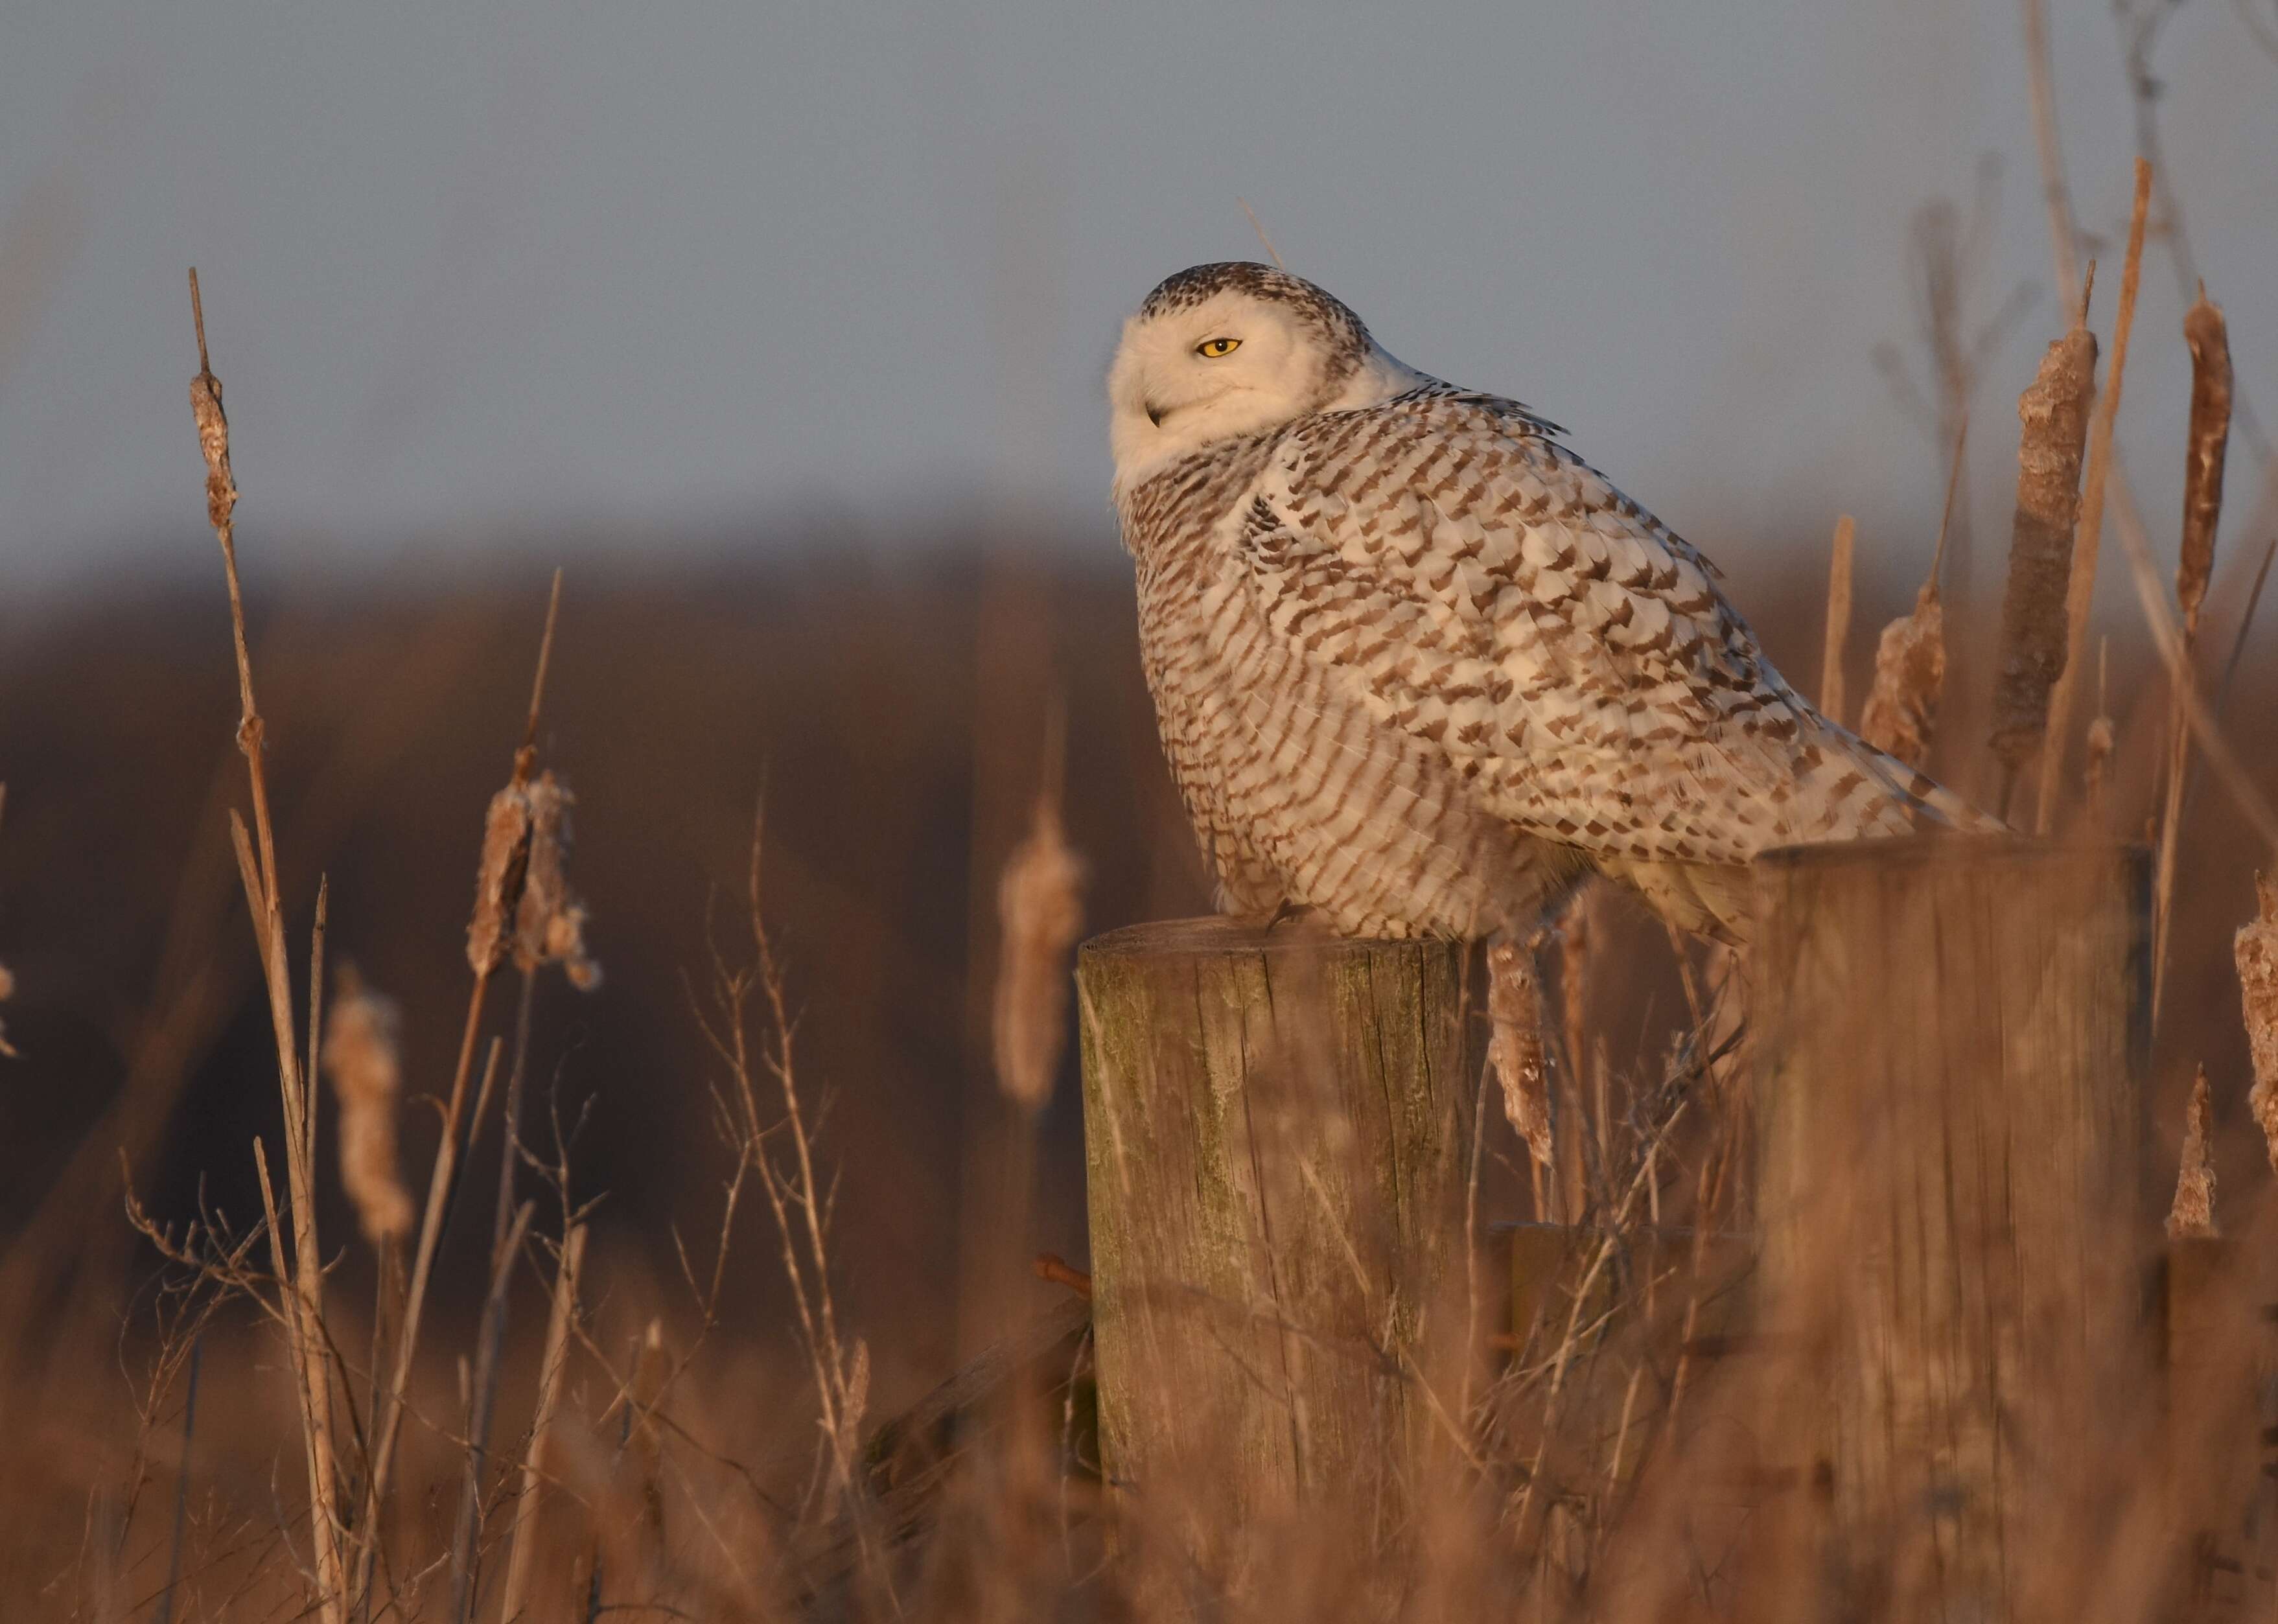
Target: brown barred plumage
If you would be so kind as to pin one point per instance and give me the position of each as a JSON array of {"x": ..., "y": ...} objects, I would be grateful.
[{"x": 1419, "y": 668}]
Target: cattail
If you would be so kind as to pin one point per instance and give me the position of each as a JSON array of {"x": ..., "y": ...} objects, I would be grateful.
[
  {"x": 499, "y": 872},
  {"x": 213, "y": 428},
  {"x": 363, "y": 1063},
  {"x": 1514, "y": 1010},
  {"x": 2088, "y": 528},
  {"x": 1040, "y": 906},
  {"x": 2209, "y": 339},
  {"x": 2256, "y": 949},
  {"x": 549, "y": 923},
  {"x": 2193, "y": 1214},
  {"x": 1839, "y": 621},
  {"x": 2209, "y": 342},
  {"x": 1901, "y": 712},
  {"x": 2053, "y": 415}
]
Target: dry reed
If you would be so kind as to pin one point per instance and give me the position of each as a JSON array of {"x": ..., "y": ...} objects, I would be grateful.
[
  {"x": 2052, "y": 414},
  {"x": 2191, "y": 1214},
  {"x": 2209, "y": 341},
  {"x": 302, "y": 1282},
  {"x": 2255, "y": 949},
  {"x": 1839, "y": 621},
  {"x": 521, "y": 1559},
  {"x": 2079, "y": 584}
]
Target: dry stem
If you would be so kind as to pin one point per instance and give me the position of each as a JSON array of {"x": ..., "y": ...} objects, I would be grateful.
[
  {"x": 258, "y": 870},
  {"x": 1839, "y": 621}
]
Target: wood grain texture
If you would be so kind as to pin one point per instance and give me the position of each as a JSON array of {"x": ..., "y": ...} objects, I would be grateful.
[
  {"x": 1951, "y": 1040},
  {"x": 1276, "y": 1130}
]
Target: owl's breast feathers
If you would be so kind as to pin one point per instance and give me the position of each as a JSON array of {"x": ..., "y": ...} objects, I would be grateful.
[{"x": 1445, "y": 568}]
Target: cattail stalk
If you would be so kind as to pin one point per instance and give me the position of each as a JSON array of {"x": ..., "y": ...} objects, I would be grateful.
[
  {"x": 2192, "y": 1213},
  {"x": 501, "y": 872},
  {"x": 1838, "y": 623},
  {"x": 2209, "y": 341},
  {"x": 2255, "y": 949},
  {"x": 303, "y": 1284},
  {"x": 524, "y": 1553},
  {"x": 2079, "y": 587},
  {"x": 2052, "y": 416}
]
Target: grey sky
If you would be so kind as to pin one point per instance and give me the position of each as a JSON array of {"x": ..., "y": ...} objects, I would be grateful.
[{"x": 473, "y": 268}]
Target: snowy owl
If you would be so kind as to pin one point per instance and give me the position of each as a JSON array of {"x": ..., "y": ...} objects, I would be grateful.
[{"x": 1418, "y": 669}]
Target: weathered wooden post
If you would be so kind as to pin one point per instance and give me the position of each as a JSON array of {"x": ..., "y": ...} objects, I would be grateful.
[
  {"x": 1276, "y": 1130},
  {"x": 1952, "y": 1037}
]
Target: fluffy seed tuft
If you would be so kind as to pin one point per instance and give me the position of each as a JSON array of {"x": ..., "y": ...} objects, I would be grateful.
[
  {"x": 1901, "y": 714},
  {"x": 362, "y": 1062},
  {"x": 1040, "y": 903}
]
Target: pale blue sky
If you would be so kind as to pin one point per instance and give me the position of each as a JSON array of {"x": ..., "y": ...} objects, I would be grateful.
[{"x": 480, "y": 270}]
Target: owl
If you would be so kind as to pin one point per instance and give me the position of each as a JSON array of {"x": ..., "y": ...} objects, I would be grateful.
[{"x": 1418, "y": 669}]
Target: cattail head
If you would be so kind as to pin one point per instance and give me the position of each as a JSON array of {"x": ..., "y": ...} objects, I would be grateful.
[
  {"x": 1040, "y": 907},
  {"x": 2193, "y": 1211},
  {"x": 550, "y": 920},
  {"x": 1901, "y": 712},
  {"x": 500, "y": 874},
  {"x": 2053, "y": 415},
  {"x": 213, "y": 425},
  {"x": 7, "y": 991},
  {"x": 2256, "y": 950},
  {"x": 1515, "y": 1050},
  {"x": 523, "y": 900},
  {"x": 2209, "y": 339},
  {"x": 362, "y": 1061}
]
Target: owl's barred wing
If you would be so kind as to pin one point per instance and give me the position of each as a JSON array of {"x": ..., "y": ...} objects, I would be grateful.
[{"x": 1481, "y": 588}]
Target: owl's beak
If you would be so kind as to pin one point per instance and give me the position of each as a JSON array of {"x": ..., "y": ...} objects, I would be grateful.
[{"x": 1155, "y": 414}]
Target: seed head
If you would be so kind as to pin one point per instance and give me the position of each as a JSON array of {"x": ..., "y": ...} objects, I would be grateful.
[
  {"x": 1901, "y": 714},
  {"x": 1040, "y": 905},
  {"x": 362, "y": 1061}
]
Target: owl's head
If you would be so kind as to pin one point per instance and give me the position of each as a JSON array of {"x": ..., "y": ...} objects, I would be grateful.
[{"x": 1221, "y": 352}]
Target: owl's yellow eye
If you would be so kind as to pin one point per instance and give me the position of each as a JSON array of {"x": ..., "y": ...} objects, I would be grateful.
[{"x": 1215, "y": 347}]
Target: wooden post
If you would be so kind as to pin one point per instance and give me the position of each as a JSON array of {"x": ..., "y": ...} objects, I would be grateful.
[
  {"x": 1951, "y": 1038},
  {"x": 1276, "y": 1127}
]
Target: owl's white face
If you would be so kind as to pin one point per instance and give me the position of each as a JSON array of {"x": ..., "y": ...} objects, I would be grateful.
[{"x": 1233, "y": 363}]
